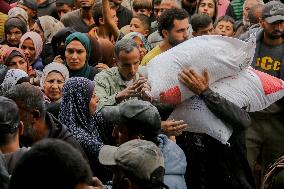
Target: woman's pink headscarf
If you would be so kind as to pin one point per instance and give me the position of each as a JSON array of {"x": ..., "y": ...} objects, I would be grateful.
[{"x": 35, "y": 37}]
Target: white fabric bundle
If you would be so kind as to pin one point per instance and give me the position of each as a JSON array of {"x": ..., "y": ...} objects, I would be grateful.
[
  {"x": 222, "y": 56},
  {"x": 252, "y": 89}
]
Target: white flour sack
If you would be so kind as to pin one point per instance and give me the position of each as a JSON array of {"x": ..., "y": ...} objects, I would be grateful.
[
  {"x": 251, "y": 89},
  {"x": 222, "y": 56},
  {"x": 200, "y": 119}
]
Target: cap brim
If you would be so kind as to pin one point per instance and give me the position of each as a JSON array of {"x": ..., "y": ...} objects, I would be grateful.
[
  {"x": 276, "y": 18},
  {"x": 111, "y": 114},
  {"x": 107, "y": 155}
]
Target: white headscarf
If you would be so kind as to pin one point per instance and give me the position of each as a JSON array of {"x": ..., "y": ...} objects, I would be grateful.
[{"x": 54, "y": 67}]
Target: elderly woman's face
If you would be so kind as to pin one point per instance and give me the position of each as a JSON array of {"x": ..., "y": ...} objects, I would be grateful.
[
  {"x": 75, "y": 55},
  {"x": 29, "y": 50},
  {"x": 18, "y": 62},
  {"x": 13, "y": 36},
  {"x": 53, "y": 85}
]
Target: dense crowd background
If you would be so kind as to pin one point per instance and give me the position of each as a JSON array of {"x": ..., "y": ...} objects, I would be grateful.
[{"x": 75, "y": 109}]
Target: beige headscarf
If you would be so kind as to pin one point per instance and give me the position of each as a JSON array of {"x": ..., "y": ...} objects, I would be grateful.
[
  {"x": 20, "y": 13},
  {"x": 50, "y": 27}
]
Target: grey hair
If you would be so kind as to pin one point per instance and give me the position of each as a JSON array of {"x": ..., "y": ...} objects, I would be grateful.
[
  {"x": 126, "y": 45},
  {"x": 28, "y": 97},
  {"x": 259, "y": 2}
]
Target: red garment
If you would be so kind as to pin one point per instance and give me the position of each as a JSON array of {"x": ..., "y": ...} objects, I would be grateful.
[{"x": 4, "y": 7}]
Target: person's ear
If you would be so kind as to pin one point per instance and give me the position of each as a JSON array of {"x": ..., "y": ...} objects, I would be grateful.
[
  {"x": 21, "y": 128},
  {"x": 194, "y": 33},
  {"x": 165, "y": 33},
  {"x": 101, "y": 21}
]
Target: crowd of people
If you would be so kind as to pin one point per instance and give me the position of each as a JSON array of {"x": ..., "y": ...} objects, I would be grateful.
[{"x": 75, "y": 104}]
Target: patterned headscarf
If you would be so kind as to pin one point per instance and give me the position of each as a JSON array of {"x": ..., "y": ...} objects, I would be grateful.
[
  {"x": 50, "y": 27},
  {"x": 11, "y": 79},
  {"x": 74, "y": 113},
  {"x": 85, "y": 41},
  {"x": 132, "y": 35},
  {"x": 19, "y": 13},
  {"x": 37, "y": 41},
  {"x": 74, "y": 110}
]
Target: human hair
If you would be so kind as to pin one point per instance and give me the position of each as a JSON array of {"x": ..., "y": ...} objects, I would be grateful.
[
  {"x": 199, "y": 21},
  {"x": 225, "y": 19},
  {"x": 142, "y": 4},
  {"x": 260, "y": 2},
  {"x": 6, "y": 138},
  {"x": 156, "y": 2},
  {"x": 215, "y": 9},
  {"x": 27, "y": 97},
  {"x": 252, "y": 13},
  {"x": 51, "y": 163},
  {"x": 98, "y": 12},
  {"x": 145, "y": 20},
  {"x": 167, "y": 18},
  {"x": 127, "y": 45},
  {"x": 69, "y": 4}
]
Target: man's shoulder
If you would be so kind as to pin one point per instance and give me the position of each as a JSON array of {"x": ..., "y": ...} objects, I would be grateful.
[{"x": 107, "y": 74}]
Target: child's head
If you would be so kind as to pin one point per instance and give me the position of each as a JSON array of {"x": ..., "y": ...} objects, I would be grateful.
[
  {"x": 140, "y": 23},
  {"x": 142, "y": 7},
  {"x": 64, "y": 6},
  {"x": 225, "y": 26}
]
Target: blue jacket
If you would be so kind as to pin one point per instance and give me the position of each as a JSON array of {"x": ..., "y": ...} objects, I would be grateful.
[{"x": 175, "y": 163}]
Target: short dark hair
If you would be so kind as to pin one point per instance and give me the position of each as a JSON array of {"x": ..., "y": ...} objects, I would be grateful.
[
  {"x": 199, "y": 21},
  {"x": 225, "y": 19},
  {"x": 144, "y": 19},
  {"x": 167, "y": 18},
  {"x": 28, "y": 97},
  {"x": 68, "y": 4},
  {"x": 51, "y": 163},
  {"x": 142, "y": 4},
  {"x": 97, "y": 13}
]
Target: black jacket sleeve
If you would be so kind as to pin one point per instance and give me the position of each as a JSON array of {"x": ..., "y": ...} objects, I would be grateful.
[{"x": 225, "y": 110}]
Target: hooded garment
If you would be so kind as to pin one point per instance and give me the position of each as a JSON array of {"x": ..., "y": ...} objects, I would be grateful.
[
  {"x": 74, "y": 113},
  {"x": 132, "y": 35},
  {"x": 11, "y": 23},
  {"x": 85, "y": 41},
  {"x": 50, "y": 26},
  {"x": 12, "y": 52},
  {"x": 11, "y": 79},
  {"x": 58, "y": 40},
  {"x": 19, "y": 13},
  {"x": 38, "y": 45}
]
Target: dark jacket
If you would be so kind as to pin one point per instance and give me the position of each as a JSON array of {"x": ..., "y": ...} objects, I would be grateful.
[
  {"x": 212, "y": 164},
  {"x": 4, "y": 176}
]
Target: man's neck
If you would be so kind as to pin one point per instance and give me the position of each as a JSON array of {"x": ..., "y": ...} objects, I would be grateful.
[
  {"x": 164, "y": 46},
  {"x": 272, "y": 42}
]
